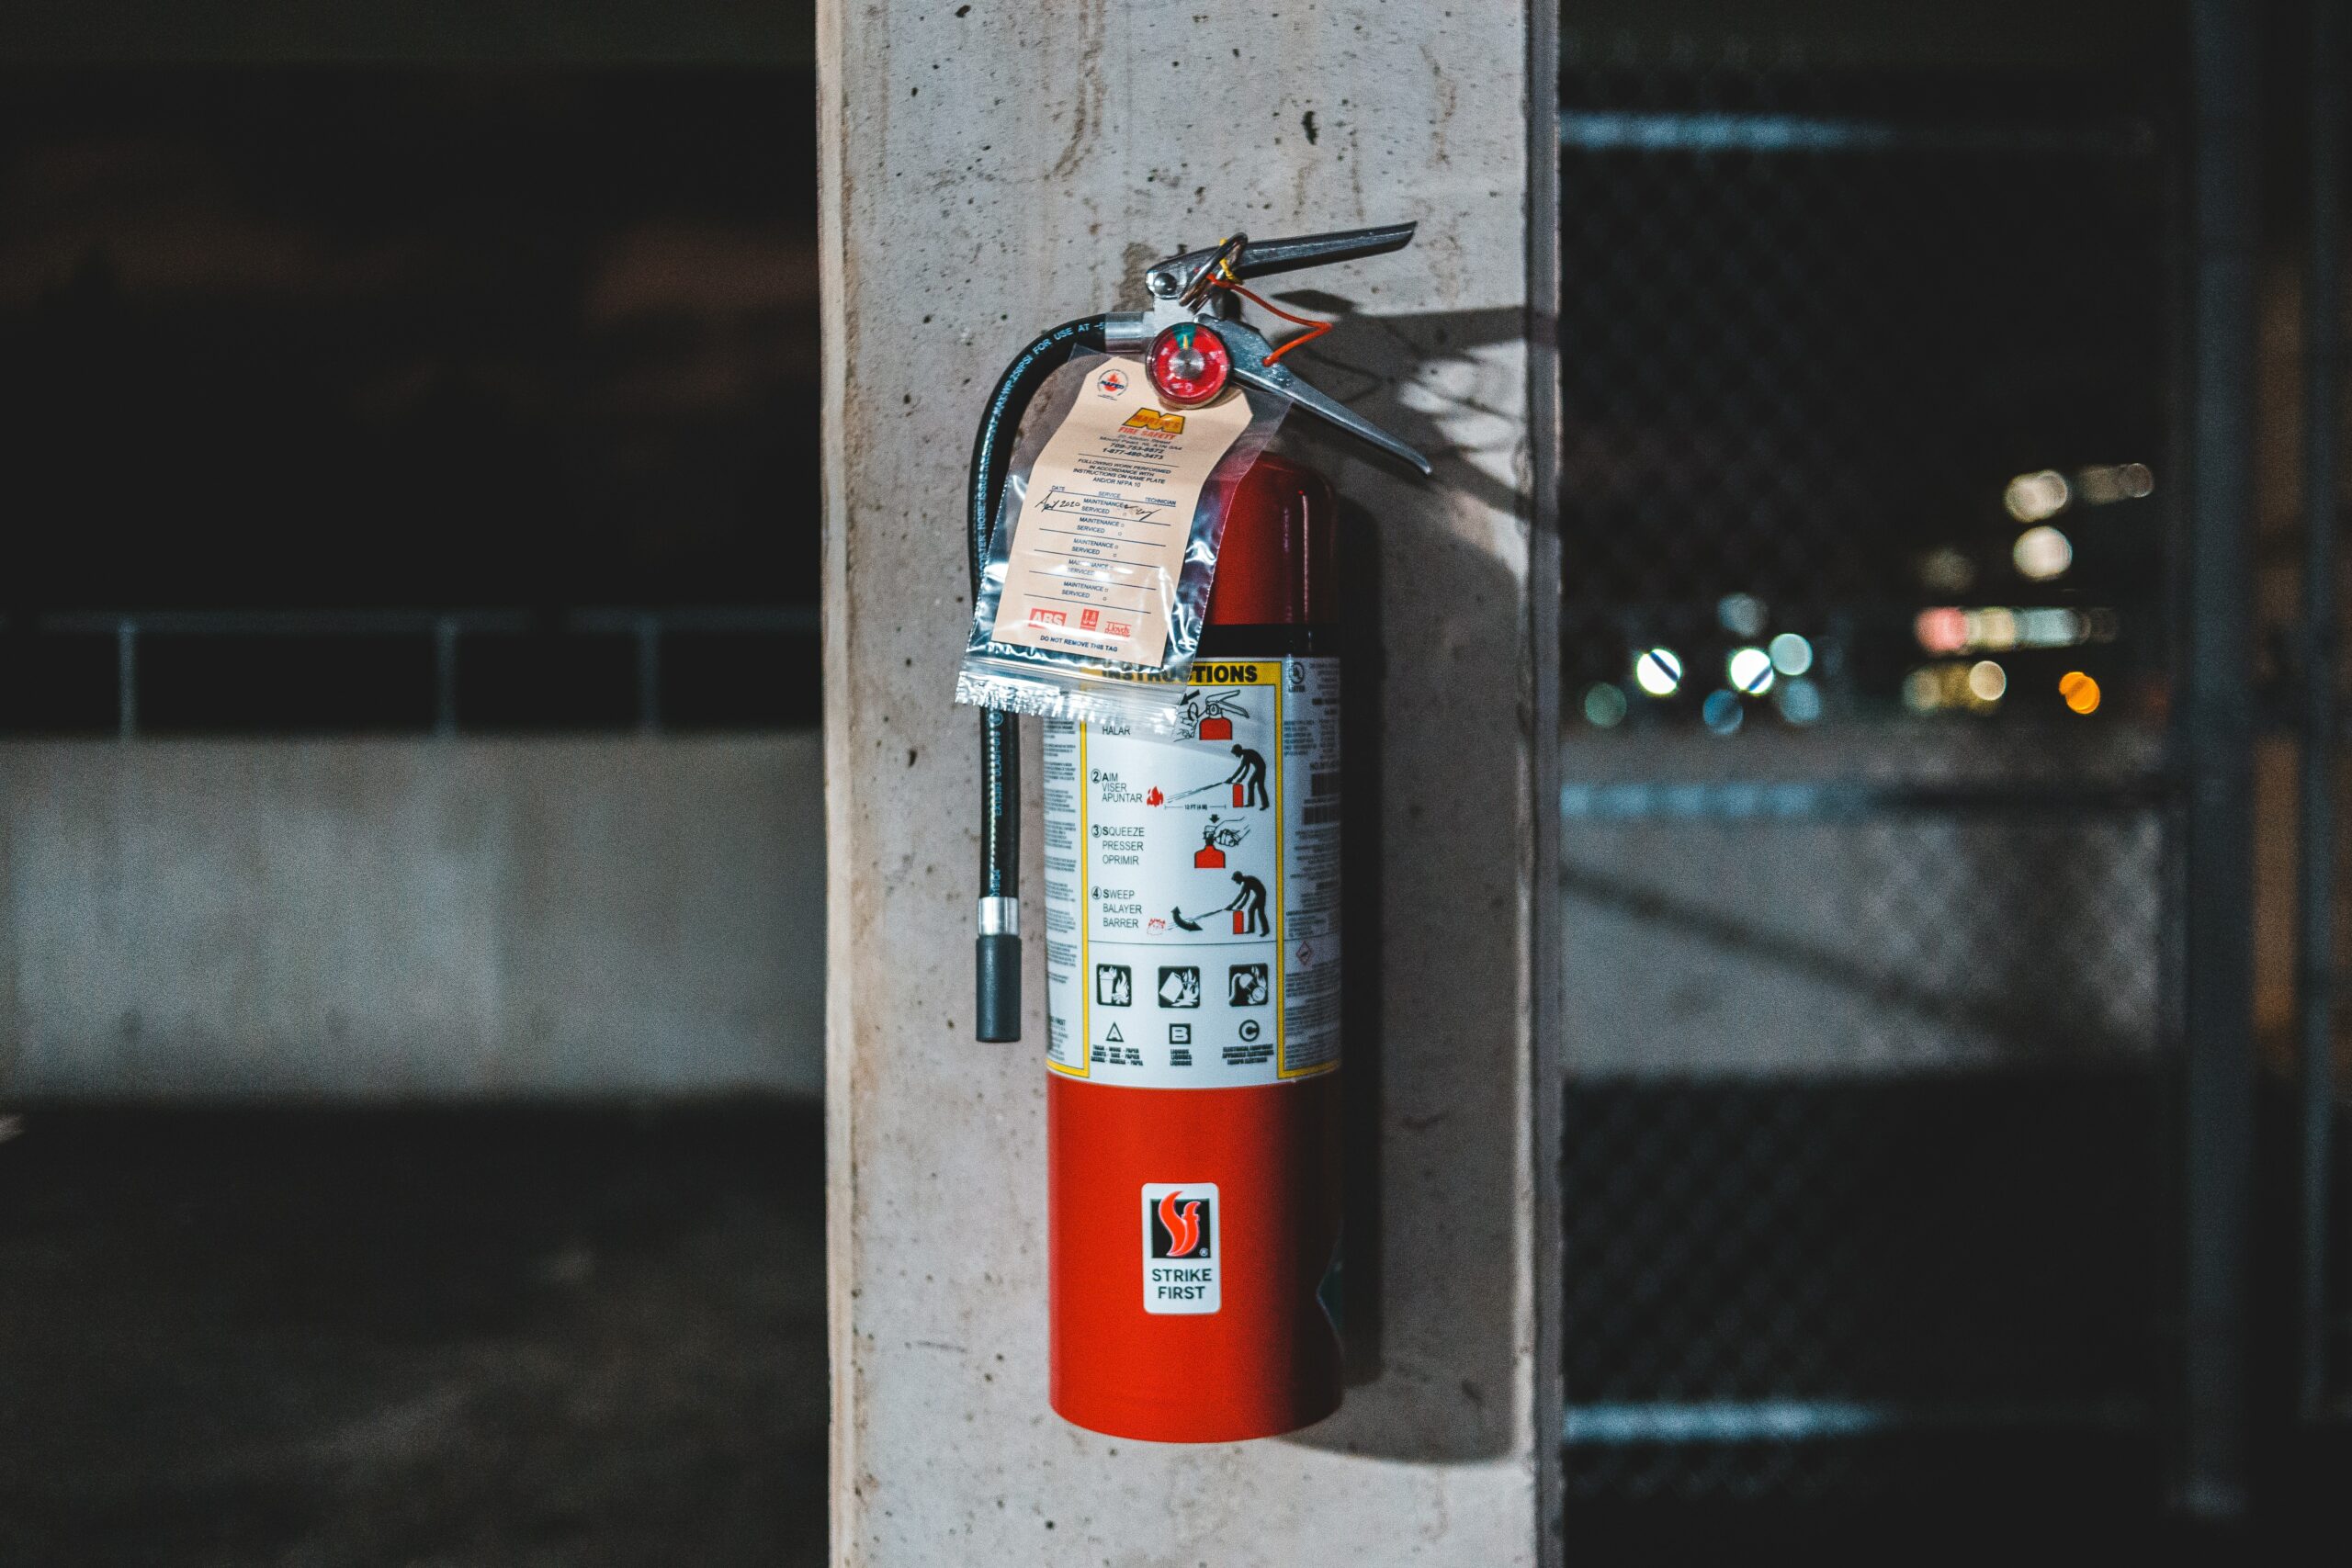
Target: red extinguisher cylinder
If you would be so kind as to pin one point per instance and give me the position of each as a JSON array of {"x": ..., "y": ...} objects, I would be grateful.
[{"x": 1195, "y": 1231}]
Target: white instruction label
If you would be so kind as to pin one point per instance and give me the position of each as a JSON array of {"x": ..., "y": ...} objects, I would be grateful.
[{"x": 1193, "y": 886}]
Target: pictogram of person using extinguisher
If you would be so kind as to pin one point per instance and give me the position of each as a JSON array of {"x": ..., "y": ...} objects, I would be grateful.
[
  {"x": 1251, "y": 902},
  {"x": 1252, "y": 771},
  {"x": 1199, "y": 707}
]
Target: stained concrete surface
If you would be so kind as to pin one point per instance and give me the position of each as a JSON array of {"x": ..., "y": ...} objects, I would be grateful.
[
  {"x": 395, "y": 920},
  {"x": 984, "y": 175},
  {"x": 526, "y": 1338}
]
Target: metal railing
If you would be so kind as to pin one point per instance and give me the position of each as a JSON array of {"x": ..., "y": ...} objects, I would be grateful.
[{"x": 649, "y": 630}]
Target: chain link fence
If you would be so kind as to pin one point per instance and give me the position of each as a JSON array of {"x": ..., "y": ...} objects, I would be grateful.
[
  {"x": 1866, "y": 843},
  {"x": 1814, "y": 322}
]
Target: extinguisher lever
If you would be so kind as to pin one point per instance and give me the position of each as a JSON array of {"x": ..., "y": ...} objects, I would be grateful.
[
  {"x": 1251, "y": 354},
  {"x": 1187, "y": 287},
  {"x": 1262, "y": 258}
]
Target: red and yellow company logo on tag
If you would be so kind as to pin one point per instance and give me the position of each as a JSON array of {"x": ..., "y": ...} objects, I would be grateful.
[{"x": 1152, "y": 419}]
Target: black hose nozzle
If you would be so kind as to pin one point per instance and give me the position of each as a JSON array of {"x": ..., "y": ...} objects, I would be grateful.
[{"x": 996, "y": 966}]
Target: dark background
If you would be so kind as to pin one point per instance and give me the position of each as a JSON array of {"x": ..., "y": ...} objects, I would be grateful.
[
  {"x": 393, "y": 370},
  {"x": 535, "y": 346}
]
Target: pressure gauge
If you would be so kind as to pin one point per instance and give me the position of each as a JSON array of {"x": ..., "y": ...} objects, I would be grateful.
[{"x": 1189, "y": 363}]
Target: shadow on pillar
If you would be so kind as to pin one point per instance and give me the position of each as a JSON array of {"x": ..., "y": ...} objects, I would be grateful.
[
  {"x": 1435, "y": 1150},
  {"x": 1361, "y": 860}
]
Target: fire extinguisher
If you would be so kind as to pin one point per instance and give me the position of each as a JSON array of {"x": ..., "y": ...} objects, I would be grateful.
[{"x": 1192, "y": 931}]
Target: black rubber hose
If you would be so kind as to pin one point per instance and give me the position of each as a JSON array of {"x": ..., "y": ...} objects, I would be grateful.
[{"x": 997, "y": 956}]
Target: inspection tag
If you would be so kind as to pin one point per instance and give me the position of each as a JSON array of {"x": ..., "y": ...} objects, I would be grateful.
[{"x": 1101, "y": 533}]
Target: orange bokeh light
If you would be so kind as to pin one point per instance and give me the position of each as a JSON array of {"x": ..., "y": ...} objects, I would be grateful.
[{"x": 2080, "y": 691}]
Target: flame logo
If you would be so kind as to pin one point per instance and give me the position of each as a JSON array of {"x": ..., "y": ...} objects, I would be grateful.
[
  {"x": 1154, "y": 797},
  {"x": 1184, "y": 1229}
]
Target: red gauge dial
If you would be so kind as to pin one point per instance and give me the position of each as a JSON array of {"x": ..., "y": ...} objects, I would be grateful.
[{"x": 1189, "y": 363}]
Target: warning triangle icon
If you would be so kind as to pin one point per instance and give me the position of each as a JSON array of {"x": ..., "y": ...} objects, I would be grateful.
[{"x": 1114, "y": 1037}]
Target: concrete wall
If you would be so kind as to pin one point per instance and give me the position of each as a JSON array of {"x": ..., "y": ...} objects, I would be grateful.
[
  {"x": 372, "y": 919},
  {"x": 989, "y": 170}
]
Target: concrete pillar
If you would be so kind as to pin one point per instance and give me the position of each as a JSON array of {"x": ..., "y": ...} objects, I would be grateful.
[{"x": 991, "y": 168}]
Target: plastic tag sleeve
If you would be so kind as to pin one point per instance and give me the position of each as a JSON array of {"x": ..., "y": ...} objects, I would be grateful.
[{"x": 1087, "y": 563}]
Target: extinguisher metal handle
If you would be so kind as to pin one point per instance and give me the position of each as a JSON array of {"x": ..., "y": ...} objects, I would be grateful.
[
  {"x": 1180, "y": 291},
  {"x": 1262, "y": 258},
  {"x": 1250, "y": 351}
]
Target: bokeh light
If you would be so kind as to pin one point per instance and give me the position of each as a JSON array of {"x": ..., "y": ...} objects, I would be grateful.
[
  {"x": 2117, "y": 481},
  {"x": 1750, "y": 669},
  {"x": 1742, "y": 614},
  {"x": 1941, "y": 630},
  {"x": 2042, "y": 553},
  {"x": 1996, "y": 628},
  {"x": 1658, "y": 672},
  {"x": 1792, "y": 655},
  {"x": 1799, "y": 701},
  {"x": 2080, "y": 692},
  {"x": 1722, "y": 712},
  {"x": 2032, "y": 497}
]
